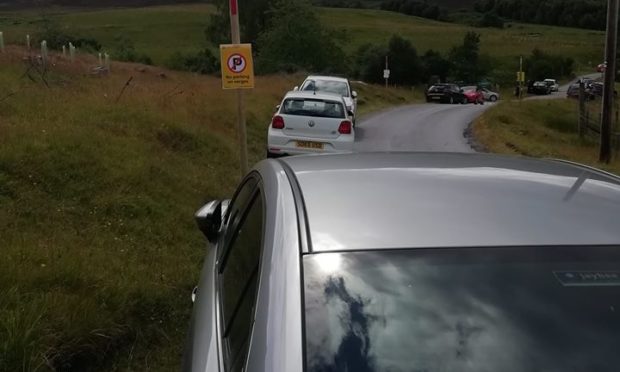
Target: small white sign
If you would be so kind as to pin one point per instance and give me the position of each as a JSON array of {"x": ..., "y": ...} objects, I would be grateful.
[{"x": 386, "y": 74}]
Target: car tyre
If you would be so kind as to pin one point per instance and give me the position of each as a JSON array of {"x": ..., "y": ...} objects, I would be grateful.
[
  {"x": 464, "y": 101},
  {"x": 493, "y": 98}
]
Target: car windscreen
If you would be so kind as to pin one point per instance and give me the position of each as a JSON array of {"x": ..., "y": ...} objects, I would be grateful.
[
  {"x": 313, "y": 107},
  {"x": 463, "y": 310},
  {"x": 330, "y": 86},
  {"x": 437, "y": 88}
]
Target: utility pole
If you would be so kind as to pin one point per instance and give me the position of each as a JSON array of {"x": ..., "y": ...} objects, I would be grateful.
[
  {"x": 610, "y": 74},
  {"x": 236, "y": 39}
]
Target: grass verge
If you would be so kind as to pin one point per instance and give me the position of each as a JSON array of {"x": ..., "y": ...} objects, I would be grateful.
[
  {"x": 97, "y": 195},
  {"x": 545, "y": 128}
]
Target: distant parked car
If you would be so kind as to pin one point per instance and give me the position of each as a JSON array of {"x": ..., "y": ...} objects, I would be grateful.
[
  {"x": 309, "y": 122},
  {"x": 447, "y": 93},
  {"x": 473, "y": 95},
  {"x": 540, "y": 87},
  {"x": 573, "y": 91},
  {"x": 601, "y": 67},
  {"x": 490, "y": 95},
  {"x": 553, "y": 84},
  {"x": 335, "y": 85}
]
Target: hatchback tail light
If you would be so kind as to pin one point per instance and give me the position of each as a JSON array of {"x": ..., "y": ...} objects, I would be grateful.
[
  {"x": 277, "y": 122},
  {"x": 345, "y": 127}
]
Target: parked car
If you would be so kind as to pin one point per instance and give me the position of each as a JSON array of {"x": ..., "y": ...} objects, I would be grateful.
[
  {"x": 490, "y": 95},
  {"x": 332, "y": 84},
  {"x": 381, "y": 262},
  {"x": 573, "y": 91},
  {"x": 310, "y": 122},
  {"x": 553, "y": 84},
  {"x": 446, "y": 93},
  {"x": 474, "y": 95},
  {"x": 540, "y": 87},
  {"x": 601, "y": 67}
]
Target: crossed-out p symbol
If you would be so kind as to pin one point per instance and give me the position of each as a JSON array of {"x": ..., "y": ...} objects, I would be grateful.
[{"x": 236, "y": 63}]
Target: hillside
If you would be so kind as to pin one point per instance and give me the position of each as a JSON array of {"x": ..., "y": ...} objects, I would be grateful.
[
  {"x": 98, "y": 187},
  {"x": 162, "y": 30}
]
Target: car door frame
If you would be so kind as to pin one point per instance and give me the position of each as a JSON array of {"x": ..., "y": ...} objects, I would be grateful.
[{"x": 230, "y": 227}]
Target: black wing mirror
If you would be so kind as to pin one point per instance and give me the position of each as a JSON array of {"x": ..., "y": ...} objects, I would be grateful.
[{"x": 209, "y": 218}]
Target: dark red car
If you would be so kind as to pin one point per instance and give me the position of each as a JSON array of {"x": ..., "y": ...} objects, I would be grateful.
[{"x": 473, "y": 95}]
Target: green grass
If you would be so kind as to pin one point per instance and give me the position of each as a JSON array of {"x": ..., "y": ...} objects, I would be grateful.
[
  {"x": 99, "y": 247},
  {"x": 545, "y": 128},
  {"x": 162, "y": 30}
]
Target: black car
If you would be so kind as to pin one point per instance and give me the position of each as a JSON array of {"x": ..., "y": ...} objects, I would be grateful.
[
  {"x": 540, "y": 87},
  {"x": 447, "y": 93}
]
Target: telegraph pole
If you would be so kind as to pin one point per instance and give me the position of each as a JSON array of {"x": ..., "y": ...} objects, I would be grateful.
[
  {"x": 236, "y": 39},
  {"x": 610, "y": 74}
]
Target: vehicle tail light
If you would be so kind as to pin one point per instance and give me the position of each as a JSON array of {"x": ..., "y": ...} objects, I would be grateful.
[
  {"x": 277, "y": 122},
  {"x": 345, "y": 127}
]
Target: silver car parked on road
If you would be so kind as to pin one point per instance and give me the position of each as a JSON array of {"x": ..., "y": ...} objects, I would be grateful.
[{"x": 411, "y": 262}]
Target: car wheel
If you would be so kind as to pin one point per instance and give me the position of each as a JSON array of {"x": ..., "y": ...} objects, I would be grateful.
[
  {"x": 493, "y": 98},
  {"x": 464, "y": 101}
]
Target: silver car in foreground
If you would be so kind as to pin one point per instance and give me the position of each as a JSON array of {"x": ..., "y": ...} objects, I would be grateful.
[{"x": 411, "y": 262}]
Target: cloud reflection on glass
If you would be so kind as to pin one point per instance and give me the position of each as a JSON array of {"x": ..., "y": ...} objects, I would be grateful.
[{"x": 402, "y": 311}]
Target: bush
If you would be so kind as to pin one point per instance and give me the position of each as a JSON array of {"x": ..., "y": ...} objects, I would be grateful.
[
  {"x": 541, "y": 65},
  {"x": 126, "y": 52},
  {"x": 491, "y": 19},
  {"x": 55, "y": 37},
  {"x": 203, "y": 62},
  {"x": 309, "y": 47}
]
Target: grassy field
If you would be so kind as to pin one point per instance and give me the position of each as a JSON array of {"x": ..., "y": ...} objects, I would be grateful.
[
  {"x": 162, "y": 30},
  {"x": 97, "y": 194},
  {"x": 546, "y": 128}
]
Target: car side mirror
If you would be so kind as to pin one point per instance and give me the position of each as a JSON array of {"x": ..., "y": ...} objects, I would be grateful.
[
  {"x": 277, "y": 107},
  {"x": 209, "y": 218},
  {"x": 354, "y": 94},
  {"x": 350, "y": 113},
  {"x": 296, "y": 88}
]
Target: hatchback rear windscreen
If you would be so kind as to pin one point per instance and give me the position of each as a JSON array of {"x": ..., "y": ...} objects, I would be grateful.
[
  {"x": 313, "y": 107},
  {"x": 544, "y": 309}
]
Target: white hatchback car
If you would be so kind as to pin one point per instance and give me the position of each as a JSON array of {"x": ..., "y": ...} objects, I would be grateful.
[
  {"x": 332, "y": 84},
  {"x": 310, "y": 122}
]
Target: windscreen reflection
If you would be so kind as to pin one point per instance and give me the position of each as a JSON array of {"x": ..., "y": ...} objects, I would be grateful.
[{"x": 504, "y": 309}]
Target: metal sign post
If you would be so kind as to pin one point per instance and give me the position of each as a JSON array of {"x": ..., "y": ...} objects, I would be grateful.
[
  {"x": 243, "y": 142},
  {"x": 386, "y": 72},
  {"x": 608, "y": 86}
]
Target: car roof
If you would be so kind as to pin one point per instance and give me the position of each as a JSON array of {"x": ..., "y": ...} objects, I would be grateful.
[
  {"x": 331, "y": 78},
  {"x": 315, "y": 95},
  {"x": 430, "y": 200}
]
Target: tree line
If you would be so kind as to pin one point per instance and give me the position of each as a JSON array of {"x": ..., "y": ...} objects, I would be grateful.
[{"x": 589, "y": 14}]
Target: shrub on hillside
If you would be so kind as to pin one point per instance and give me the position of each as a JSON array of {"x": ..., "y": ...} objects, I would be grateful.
[
  {"x": 202, "y": 62},
  {"x": 56, "y": 37},
  {"x": 309, "y": 47},
  {"x": 541, "y": 65},
  {"x": 125, "y": 51}
]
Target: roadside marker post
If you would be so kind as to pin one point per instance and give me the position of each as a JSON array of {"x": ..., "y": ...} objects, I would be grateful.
[
  {"x": 106, "y": 57},
  {"x": 1, "y": 42},
  {"x": 238, "y": 73},
  {"x": 28, "y": 42},
  {"x": 71, "y": 52},
  {"x": 44, "y": 52},
  {"x": 100, "y": 60},
  {"x": 64, "y": 51}
]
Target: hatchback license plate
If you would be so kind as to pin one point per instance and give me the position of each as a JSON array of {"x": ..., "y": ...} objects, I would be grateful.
[{"x": 310, "y": 145}]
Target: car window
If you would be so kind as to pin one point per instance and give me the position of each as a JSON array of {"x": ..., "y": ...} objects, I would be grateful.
[
  {"x": 329, "y": 86},
  {"x": 313, "y": 107},
  {"x": 239, "y": 201},
  {"x": 238, "y": 276},
  {"x": 463, "y": 309}
]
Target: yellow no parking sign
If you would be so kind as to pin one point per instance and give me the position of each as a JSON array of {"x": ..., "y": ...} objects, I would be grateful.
[{"x": 237, "y": 66}]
